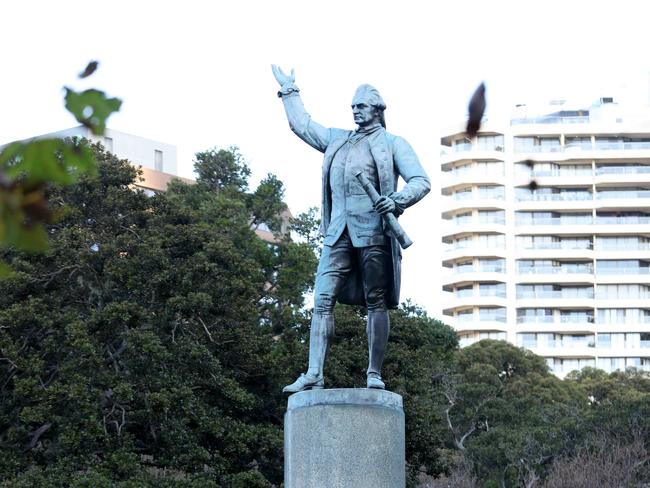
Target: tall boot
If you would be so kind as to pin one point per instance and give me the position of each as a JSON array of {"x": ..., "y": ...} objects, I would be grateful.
[
  {"x": 322, "y": 330},
  {"x": 378, "y": 328}
]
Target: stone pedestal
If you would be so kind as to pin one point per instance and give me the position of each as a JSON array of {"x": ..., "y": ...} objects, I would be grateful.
[{"x": 344, "y": 438}]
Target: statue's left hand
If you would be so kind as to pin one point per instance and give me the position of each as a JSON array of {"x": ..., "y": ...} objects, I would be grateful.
[
  {"x": 281, "y": 77},
  {"x": 385, "y": 205}
]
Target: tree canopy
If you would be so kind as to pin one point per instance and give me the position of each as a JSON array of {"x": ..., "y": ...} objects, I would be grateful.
[{"x": 149, "y": 344}]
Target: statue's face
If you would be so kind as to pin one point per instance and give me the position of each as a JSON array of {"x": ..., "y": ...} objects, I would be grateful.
[{"x": 364, "y": 113}]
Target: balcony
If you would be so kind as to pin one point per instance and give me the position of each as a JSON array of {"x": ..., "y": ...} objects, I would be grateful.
[
  {"x": 556, "y": 221},
  {"x": 524, "y": 295},
  {"x": 623, "y": 170},
  {"x": 621, "y": 270},
  {"x": 576, "y": 269},
  {"x": 622, "y": 145},
  {"x": 567, "y": 246},
  {"x": 621, "y": 194},
  {"x": 583, "y": 119},
  {"x": 475, "y": 176},
  {"x": 555, "y": 197},
  {"x": 631, "y": 220},
  {"x": 538, "y": 149}
]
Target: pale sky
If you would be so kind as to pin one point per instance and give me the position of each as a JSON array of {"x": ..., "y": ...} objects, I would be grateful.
[{"x": 197, "y": 74}]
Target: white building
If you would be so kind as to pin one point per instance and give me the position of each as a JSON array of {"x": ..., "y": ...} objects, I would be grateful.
[
  {"x": 547, "y": 234},
  {"x": 146, "y": 152},
  {"x": 157, "y": 159}
]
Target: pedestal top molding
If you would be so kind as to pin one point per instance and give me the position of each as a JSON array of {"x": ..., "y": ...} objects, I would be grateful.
[{"x": 346, "y": 396}]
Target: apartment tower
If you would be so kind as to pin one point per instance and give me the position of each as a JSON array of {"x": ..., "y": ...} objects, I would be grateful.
[{"x": 547, "y": 235}]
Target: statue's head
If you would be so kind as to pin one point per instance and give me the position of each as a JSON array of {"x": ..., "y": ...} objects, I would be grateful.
[{"x": 368, "y": 106}]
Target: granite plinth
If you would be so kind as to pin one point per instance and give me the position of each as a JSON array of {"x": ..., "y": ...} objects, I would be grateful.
[{"x": 344, "y": 438}]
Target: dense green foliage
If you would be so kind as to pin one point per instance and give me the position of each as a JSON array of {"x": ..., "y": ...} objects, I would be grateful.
[
  {"x": 512, "y": 423},
  {"x": 149, "y": 345}
]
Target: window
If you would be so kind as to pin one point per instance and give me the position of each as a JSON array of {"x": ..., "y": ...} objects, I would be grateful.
[
  {"x": 108, "y": 144},
  {"x": 605, "y": 341},
  {"x": 491, "y": 216},
  {"x": 463, "y": 218},
  {"x": 534, "y": 315},
  {"x": 537, "y": 144},
  {"x": 492, "y": 289},
  {"x": 464, "y": 242},
  {"x": 492, "y": 265},
  {"x": 580, "y": 142},
  {"x": 492, "y": 314},
  {"x": 489, "y": 143},
  {"x": 527, "y": 340},
  {"x": 465, "y": 266},
  {"x": 158, "y": 160},
  {"x": 491, "y": 192},
  {"x": 465, "y": 291},
  {"x": 463, "y": 194},
  {"x": 465, "y": 316},
  {"x": 492, "y": 241}
]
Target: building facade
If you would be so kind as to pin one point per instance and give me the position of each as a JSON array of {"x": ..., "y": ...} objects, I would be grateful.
[
  {"x": 547, "y": 235},
  {"x": 158, "y": 160}
]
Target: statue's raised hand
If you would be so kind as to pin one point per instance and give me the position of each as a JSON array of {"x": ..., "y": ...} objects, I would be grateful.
[{"x": 283, "y": 79}]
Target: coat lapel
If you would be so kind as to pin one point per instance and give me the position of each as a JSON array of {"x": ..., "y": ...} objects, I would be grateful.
[
  {"x": 326, "y": 206},
  {"x": 383, "y": 159}
]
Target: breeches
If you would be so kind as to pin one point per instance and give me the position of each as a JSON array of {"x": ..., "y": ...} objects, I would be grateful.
[{"x": 338, "y": 261}]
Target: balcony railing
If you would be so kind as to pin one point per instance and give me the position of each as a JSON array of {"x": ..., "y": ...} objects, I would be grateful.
[
  {"x": 630, "y": 247},
  {"x": 560, "y": 245},
  {"x": 542, "y": 319},
  {"x": 555, "y": 221},
  {"x": 555, "y": 173},
  {"x": 622, "y": 145},
  {"x": 640, "y": 270},
  {"x": 476, "y": 173},
  {"x": 470, "y": 318},
  {"x": 611, "y": 296},
  {"x": 601, "y": 195},
  {"x": 577, "y": 319},
  {"x": 620, "y": 170},
  {"x": 623, "y": 220},
  {"x": 473, "y": 294},
  {"x": 550, "y": 319},
  {"x": 465, "y": 221},
  {"x": 467, "y": 146},
  {"x": 479, "y": 269},
  {"x": 556, "y": 270},
  {"x": 468, "y": 195},
  {"x": 538, "y": 149},
  {"x": 552, "y": 120},
  {"x": 563, "y": 197},
  {"x": 554, "y": 294}
]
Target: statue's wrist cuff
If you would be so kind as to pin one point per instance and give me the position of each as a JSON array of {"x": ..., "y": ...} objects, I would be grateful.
[{"x": 288, "y": 89}]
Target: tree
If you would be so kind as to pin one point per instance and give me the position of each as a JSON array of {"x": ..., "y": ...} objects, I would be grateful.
[
  {"x": 222, "y": 169},
  {"x": 136, "y": 344},
  {"x": 507, "y": 414}
]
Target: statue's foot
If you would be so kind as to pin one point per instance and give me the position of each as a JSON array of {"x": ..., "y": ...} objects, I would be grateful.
[
  {"x": 374, "y": 381},
  {"x": 305, "y": 382}
]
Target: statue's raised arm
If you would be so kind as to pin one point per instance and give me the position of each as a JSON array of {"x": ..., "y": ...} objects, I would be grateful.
[{"x": 300, "y": 121}]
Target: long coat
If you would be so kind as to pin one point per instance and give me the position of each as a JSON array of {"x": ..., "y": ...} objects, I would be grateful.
[{"x": 393, "y": 156}]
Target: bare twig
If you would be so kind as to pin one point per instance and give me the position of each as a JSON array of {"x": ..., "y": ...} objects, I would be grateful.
[{"x": 206, "y": 329}]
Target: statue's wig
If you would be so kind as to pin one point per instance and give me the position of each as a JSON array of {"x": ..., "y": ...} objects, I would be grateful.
[{"x": 373, "y": 97}]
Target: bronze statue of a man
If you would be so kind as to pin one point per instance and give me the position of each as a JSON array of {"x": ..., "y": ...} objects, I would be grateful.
[{"x": 360, "y": 263}]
